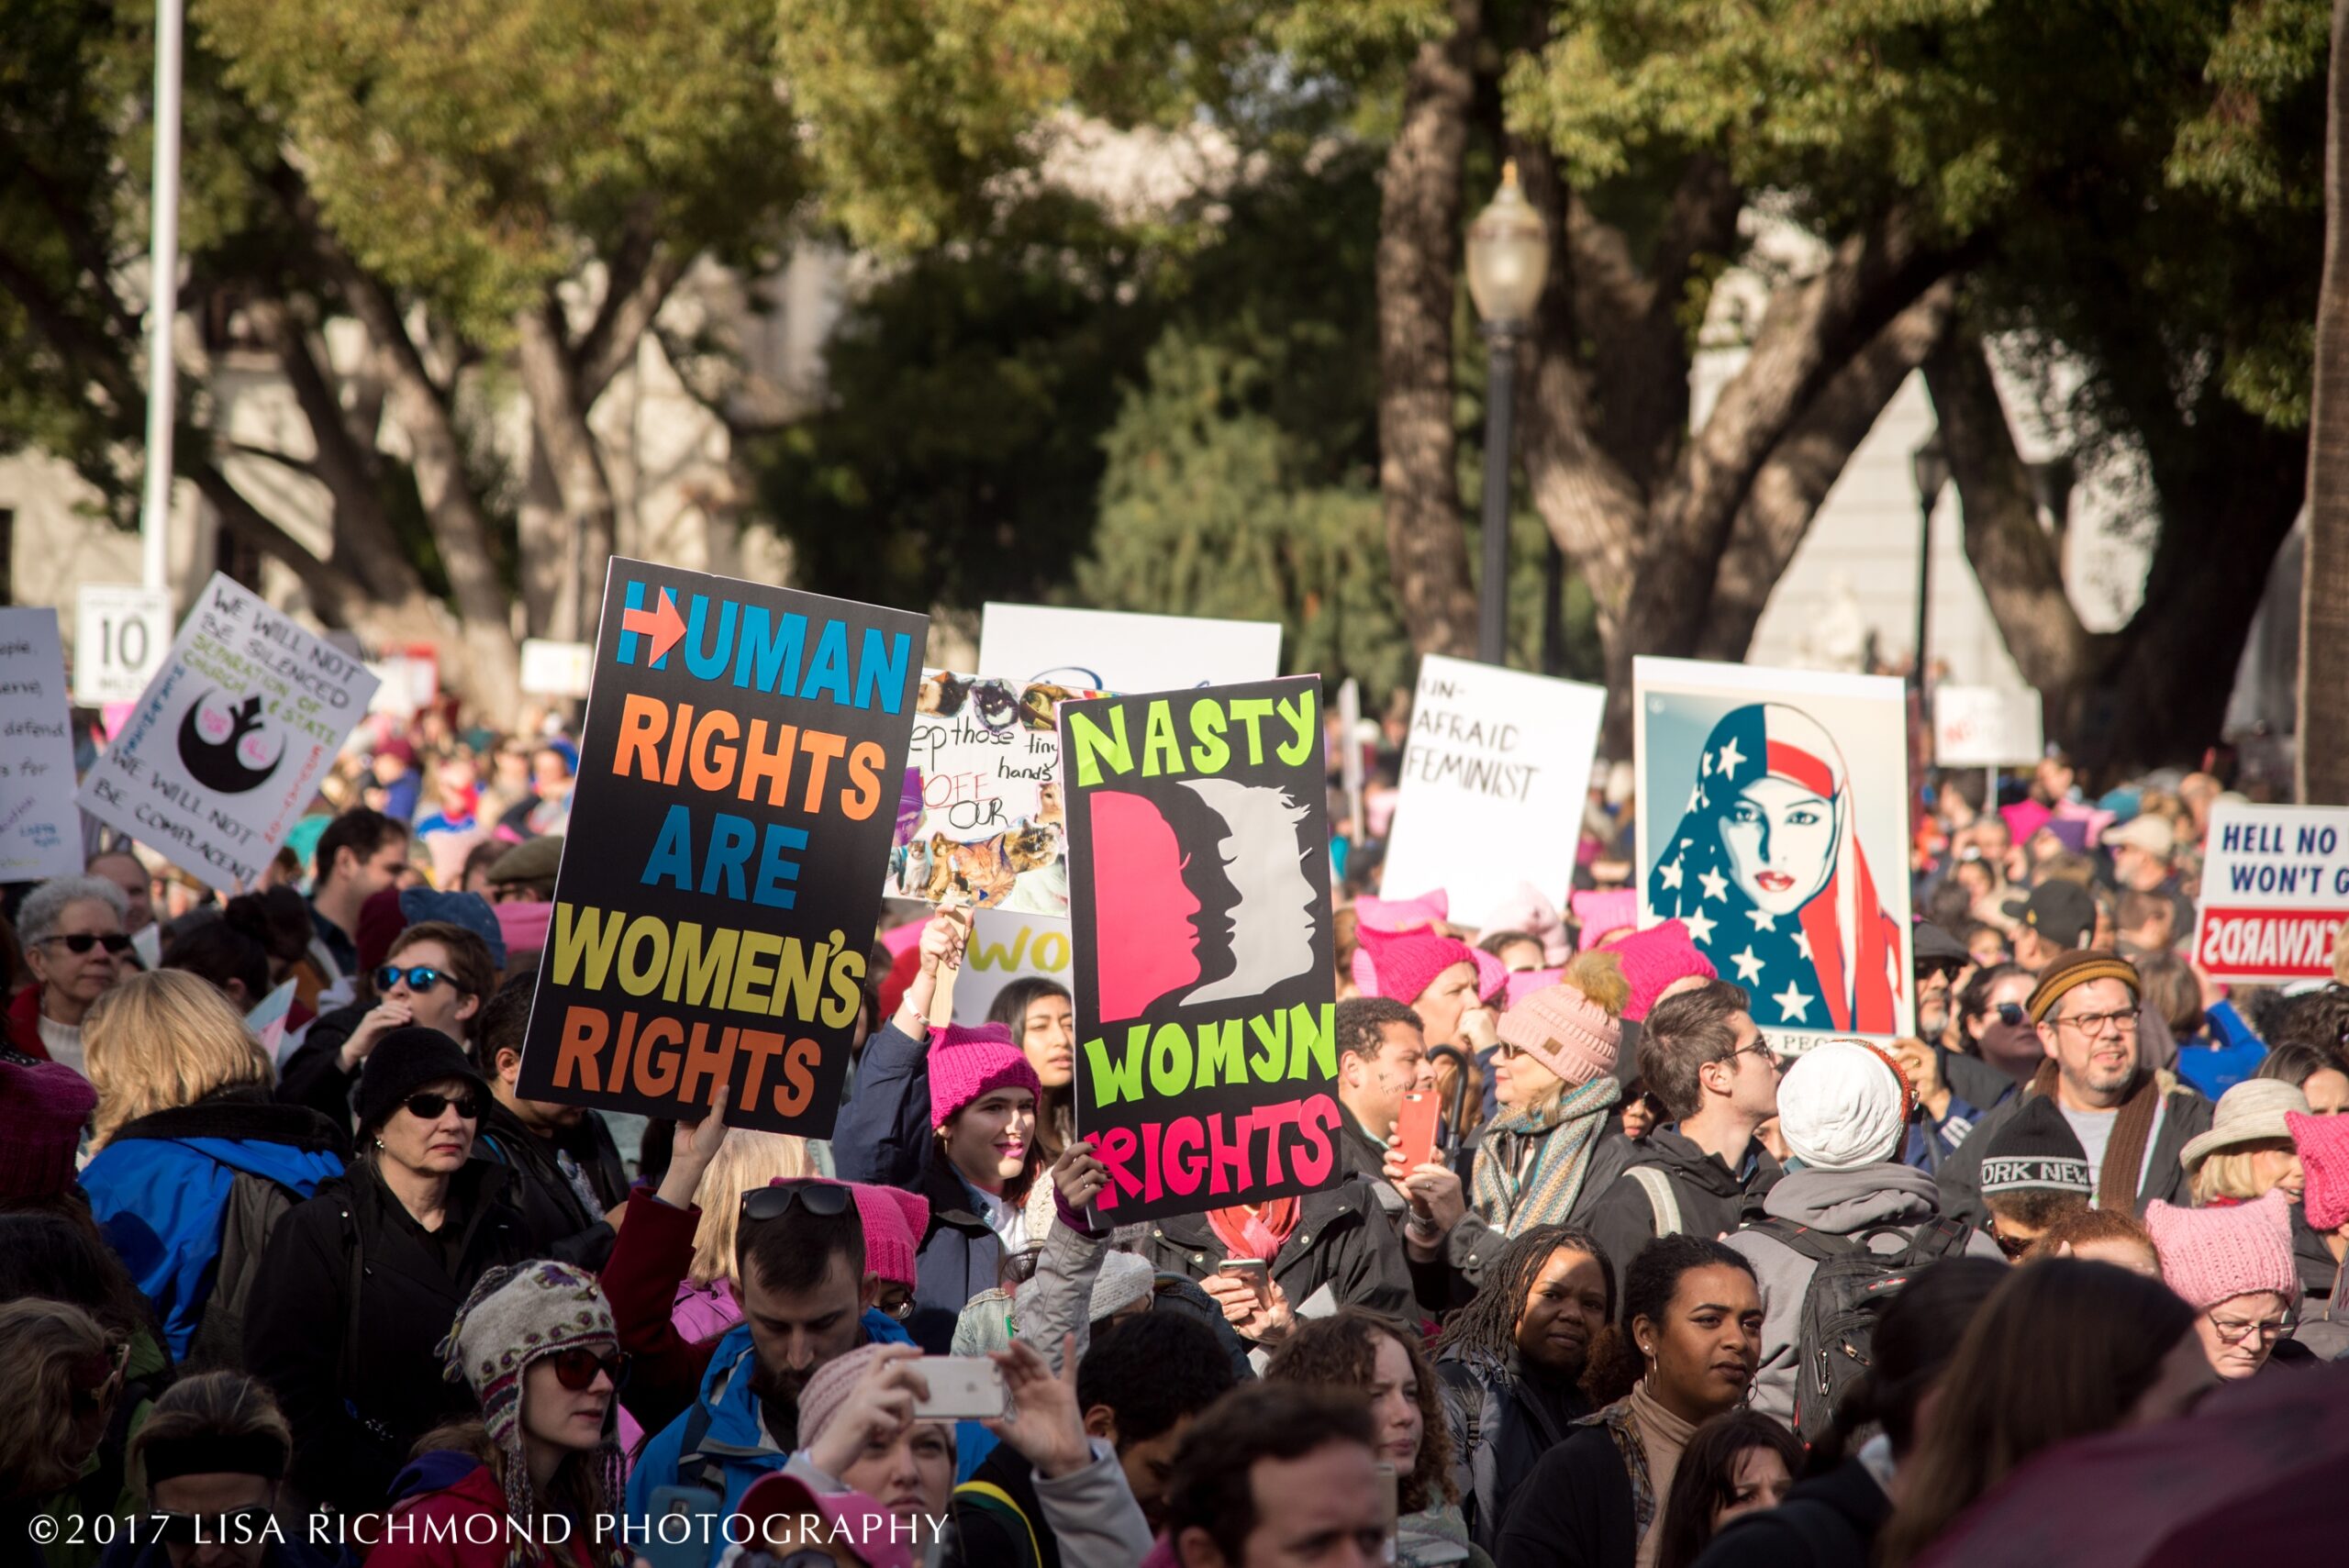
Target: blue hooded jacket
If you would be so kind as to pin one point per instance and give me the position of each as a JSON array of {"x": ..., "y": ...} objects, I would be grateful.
[
  {"x": 731, "y": 1436},
  {"x": 160, "y": 1191}
]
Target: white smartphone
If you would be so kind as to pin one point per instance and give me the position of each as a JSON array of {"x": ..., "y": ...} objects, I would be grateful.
[{"x": 961, "y": 1388}]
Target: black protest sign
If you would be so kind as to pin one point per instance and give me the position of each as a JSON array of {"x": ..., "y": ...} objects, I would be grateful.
[
  {"x": 721, "y": 879},
  {"x": 1200, "y": 909}
]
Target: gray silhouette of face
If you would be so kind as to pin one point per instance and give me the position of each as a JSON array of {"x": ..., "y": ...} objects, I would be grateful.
[{"x": 1271, "y": 921}]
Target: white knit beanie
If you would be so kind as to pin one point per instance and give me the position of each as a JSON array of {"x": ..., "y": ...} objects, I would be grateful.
[{"x": 1842, "y": 1105}]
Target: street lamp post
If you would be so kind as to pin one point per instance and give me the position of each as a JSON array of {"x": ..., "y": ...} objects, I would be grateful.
[
  {"x": 1509, "y": 262},
  {"x": 1930, "y": 466}
]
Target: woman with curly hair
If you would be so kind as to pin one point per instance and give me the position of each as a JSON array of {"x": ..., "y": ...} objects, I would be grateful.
[{"x": 1371, "y": 1355}]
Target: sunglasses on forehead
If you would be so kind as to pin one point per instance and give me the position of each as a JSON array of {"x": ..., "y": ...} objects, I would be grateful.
[{"x": 826, "y": 1199}]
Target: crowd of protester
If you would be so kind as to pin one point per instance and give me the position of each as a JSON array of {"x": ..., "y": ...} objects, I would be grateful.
[{"x": 1665, "y": 1293}]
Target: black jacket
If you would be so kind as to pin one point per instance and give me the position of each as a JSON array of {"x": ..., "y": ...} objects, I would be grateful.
[
  {"x": 2319, "y": 1268},
  {"x": 1343, "y": 1240},
  {"x": 1574, "y": 1510},
  {"x": 984, "y": 1536},
  {"x": 313, "y": 1076},
  {"x": 1828, "y": 1521},
  {"x": 1713, "y": 1201},
  {"x": 559, "y": 1221},
  {"x": 1502, "y": 1421},
  {"x": 352, "y": 1300}
]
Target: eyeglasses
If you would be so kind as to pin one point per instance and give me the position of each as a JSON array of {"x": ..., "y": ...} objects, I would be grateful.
[
  {"x": 427, "y": 1106},
  {"x": 1761, "y": 1048},
  {"x": 2233, "y": 1332},
  {"x": 236, "y": 1527},
  {"x": 824, "y": 1199},
  {"x": 896, "y": 1301},
  {"x": 576, "y": 1368},
  {"x": 2093, "y": 1023},
  {"x": 2012, "y": 1014},
  {"x": 80, "y": 942},
  {"x": 420, "y": 977}
]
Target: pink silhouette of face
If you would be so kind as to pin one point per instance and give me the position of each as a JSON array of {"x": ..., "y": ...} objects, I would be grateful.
[{"x": 1141, "y": 908}]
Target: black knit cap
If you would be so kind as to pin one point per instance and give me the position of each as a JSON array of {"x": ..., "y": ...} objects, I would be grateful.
[
  {"x": 405, "y": 1060},
  {"x": 2037, "y": 1150}
]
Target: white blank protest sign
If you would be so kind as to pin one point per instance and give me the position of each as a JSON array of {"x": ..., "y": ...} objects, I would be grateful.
[
  {"x": 1110, "y": 650},
  {"x": 1493, "y": 778},
  {"x": 1985, "y": 727}
]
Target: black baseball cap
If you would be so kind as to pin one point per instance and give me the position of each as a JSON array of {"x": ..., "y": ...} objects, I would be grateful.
[{"x": 2060, "y": 912}]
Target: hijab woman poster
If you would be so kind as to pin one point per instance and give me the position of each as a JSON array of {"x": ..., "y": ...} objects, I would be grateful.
[{"x": 1772, "y": 821}]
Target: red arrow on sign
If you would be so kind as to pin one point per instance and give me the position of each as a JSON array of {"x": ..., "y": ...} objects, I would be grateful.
[{"x": 663, "y": 624}]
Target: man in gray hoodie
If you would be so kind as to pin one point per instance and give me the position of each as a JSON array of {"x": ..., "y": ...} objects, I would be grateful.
[{"x": 1843, "y": 1111}]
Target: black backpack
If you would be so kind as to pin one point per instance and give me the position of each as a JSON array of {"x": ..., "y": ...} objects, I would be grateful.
[
  {"x": 255, "y": 1206},
  {"x": 1834, "y": 1339}
]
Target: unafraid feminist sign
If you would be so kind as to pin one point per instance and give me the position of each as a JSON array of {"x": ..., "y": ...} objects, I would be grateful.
[
  {"x": 717, "y": 899},
  {"x": 2274, "y": 891},
  {"x": 224, "y": 750},
  {"x": 1199, "y": 914}
]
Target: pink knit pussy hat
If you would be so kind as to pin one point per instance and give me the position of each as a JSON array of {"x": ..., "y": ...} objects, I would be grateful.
[
  {"x": 1402, "y": 914},
  {"x": 1653, "y": 959},
  {"x": 965, "y": 1064},
  {"x": 1403, "y": 965},
  {"x": 2323, "y": 1143},
  {"x": 2209, "y": 1255},
  {"x": 894, "y": 1220}
]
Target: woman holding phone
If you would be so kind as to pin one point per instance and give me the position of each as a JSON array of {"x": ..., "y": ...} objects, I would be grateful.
[{"x": 1554, "y": 1070}]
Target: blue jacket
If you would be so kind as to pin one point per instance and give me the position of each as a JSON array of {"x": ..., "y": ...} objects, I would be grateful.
[
  {"x": 160, "y": 1191},
  {"x": 725, "y": 1421},
  {"x": 882, "y": 1138}
]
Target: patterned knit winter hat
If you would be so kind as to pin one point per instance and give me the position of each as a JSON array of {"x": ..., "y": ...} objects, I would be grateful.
[
  {"x": 965, "y": 1064},
  {"x": 519, "y": 1314}
]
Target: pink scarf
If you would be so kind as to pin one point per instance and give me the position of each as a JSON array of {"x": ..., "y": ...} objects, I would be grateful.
[{"x": 1255, "y": 1232}]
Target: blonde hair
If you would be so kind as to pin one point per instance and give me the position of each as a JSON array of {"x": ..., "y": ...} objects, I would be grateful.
[
  {"x": 746, "y": 1159},
  {"x": 164, "y": 1039},
  {"x": 2229, "y": 1174},
  {"x": 41, "y": 1344},
  {"x": 1598, "y": 975}
]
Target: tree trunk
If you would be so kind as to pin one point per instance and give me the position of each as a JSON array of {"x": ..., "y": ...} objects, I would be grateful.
[
  {"x": 1417, "y": 278},
  {"x": 2324, "y": 588},
  {"x": 1804, "y": 467},
  {"x": 559, "y": 414}
]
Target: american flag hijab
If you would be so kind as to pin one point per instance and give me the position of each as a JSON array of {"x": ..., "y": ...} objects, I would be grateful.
[{"x": 1767, "y": 870}]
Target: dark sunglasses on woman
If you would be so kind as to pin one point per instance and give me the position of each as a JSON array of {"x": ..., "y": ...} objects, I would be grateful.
[
  {"x": 576, "y": 1368},
  {"x": 82, "y": 942},
  {"x": 427, "y": 1106},
  {"x": 420, "y": 977},
  {"x": 2012, "y": 1014}
]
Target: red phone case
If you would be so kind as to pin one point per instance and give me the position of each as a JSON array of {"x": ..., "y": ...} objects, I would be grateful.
[{"x": 1415, "y": 1131}]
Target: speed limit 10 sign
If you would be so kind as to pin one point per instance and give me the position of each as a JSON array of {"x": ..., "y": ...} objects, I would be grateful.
[{"x": 121, "y": 635}]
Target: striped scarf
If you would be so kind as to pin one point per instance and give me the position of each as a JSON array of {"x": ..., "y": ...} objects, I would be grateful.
[
  {"x": 1563, "y": 1133},
  {"x": 2124, "y": 1151}
]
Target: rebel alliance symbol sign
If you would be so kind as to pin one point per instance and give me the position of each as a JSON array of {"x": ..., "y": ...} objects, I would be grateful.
[{"x": 228, "y": 749}]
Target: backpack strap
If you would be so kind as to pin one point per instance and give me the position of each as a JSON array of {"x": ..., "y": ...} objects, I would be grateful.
[
  {"x": 1661, "y": 1199},
  {"x": 694, "y": 1468},
  {"x": 1816, "y": 1245},
  {"x": 986, "y": 1495},
  {"x": 1942, "y": 1239}
]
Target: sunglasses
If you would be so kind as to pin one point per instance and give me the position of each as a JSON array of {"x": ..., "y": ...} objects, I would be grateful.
[
  {"x": 576, "y": 1369},
  {"x": 236, "y": 1526},
  {"x": 825, "y": 1199},
  {"x": 427, "y": 1106},
  {"x": 419, "y": 977},
  {"x": 82, "y": 942},
  {"x": 2009, "y": 1245},
  {"x": 2012, "y": 1013}
]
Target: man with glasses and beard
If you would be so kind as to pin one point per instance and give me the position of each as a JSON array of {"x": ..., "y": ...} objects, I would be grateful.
[
  {"x": 2129, "y": 1127},
  {"x": 805, "y": 1300}
]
